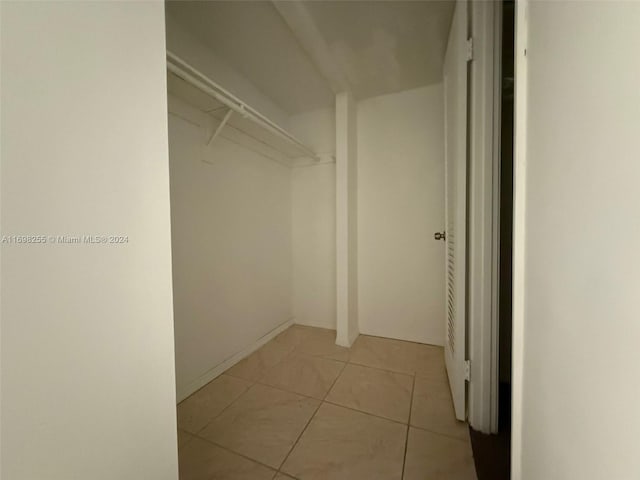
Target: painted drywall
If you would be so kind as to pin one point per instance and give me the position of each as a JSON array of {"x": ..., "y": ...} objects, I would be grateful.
[
  {"x": 88, "y": 388},
  {"x": 400, "y": 206},
  {"x": 579, "y": 372},
  {"x": 256, "y": 41},
  {"x": 313, "y": 208},
  {"x": 181, "y": 42},
  {"x": 346, "y": 220},
  {"x": 378, "y": 47},
  {"x": 385, "y": 47},
  {"x": 231, "y": 237},
  {"x": 314, "y": 248}
]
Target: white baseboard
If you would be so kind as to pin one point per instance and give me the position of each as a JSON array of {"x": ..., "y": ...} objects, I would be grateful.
[
  {"x": 325, "y": 325},
  {"x": 426, "y": 340},
  {"x": 219, "y": 369}
]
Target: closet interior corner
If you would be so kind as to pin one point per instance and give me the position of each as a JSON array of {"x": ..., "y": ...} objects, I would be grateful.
[{"x": 306, "y": 146}]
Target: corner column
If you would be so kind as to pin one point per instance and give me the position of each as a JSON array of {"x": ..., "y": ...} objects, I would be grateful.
[{"x": 346, "y": 220}]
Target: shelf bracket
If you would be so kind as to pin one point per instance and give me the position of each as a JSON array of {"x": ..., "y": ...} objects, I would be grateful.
[{"x": 217, "y": 131}]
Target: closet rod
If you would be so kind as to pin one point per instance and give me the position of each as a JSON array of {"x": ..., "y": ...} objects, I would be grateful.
[{"x": 208, "y": 86}]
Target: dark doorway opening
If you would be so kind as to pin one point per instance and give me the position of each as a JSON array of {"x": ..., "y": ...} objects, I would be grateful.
[{"x": 492, "y": 453}]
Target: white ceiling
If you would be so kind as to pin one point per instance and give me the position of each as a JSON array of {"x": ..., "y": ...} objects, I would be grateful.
[
  {"x": 385, "y": 46},
  {"x": 377, "y": 47}
]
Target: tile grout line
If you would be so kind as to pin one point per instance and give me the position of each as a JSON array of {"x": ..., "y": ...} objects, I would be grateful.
[
  {"x": 282, "y": 389},
  {"x": 253, "y": 384},
  {"x": 310, "y": 419},
  {"x": 440, "y": 434},
  {"x": 345, "y": 363},
  {"x": 407, "y": 373},
  {"x": 406, "y": 440},
  {"x": 299, "y": 436},
  {"x": 258, "y": 381},
  {"x": 227, "y": 449},
  {"x": 413, "y": 375},
  {"x": 235, "y": 376},
  {"x": 324, "y": 400},
  {"x": 329, "y": 402}
]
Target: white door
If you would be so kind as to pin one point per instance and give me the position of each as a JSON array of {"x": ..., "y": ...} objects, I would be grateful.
[{"x": 455, "y": 99}]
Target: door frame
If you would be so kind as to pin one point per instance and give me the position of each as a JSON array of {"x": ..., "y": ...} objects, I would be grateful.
[
  {"x": 484, "y": 214},
  {"x": 519, "y": 211}
]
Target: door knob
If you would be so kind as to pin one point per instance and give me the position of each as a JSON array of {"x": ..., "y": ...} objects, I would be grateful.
[{"x": 440, "y": 235}]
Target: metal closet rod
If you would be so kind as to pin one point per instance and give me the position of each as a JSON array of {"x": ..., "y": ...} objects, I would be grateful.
[{"x": 185, "y": 71}]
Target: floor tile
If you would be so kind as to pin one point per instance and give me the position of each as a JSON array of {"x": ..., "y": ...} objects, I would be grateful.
[
  {"x": 436, "y": 457},
  {"x": 344, "y": 444},
  {"x": 183, "y": 438},
  {"x": 380, "y": 392},
  {"x": 304, "y": 374},
  {"x": 195, "y": 412},
  {"x": 384, "y": 353},
  {"x": 294, "y": 335},
  {"x": 432, "y": 409},
  {"x": 200, "y": 460},
  {"x": 322, "y": 343},
  {"x": 430, "y": 362},
  {"x": 263, "y": 424},
  {"x": 256, "y": 364}
]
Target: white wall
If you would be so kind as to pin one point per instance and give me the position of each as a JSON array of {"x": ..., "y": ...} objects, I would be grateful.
[
  {"x": 581, "y": 365},
  {"x": 87, "y": 335},
  {"x": 313, "y": 205},
  {"x": 231, "y": 232},
  {"x": 400, "y": 206}
]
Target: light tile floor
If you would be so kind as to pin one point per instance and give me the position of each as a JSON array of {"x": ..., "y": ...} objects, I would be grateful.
[{"x": 303, "y": 408}]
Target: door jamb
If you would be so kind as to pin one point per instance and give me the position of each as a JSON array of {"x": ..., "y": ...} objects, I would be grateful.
[
  {"x": 519, "y": 216},
  {"x": 484, "y": 221}
]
